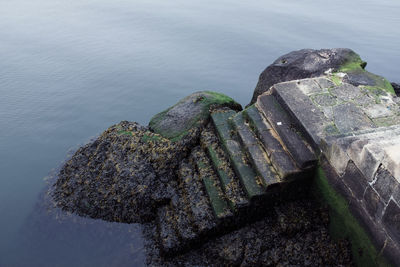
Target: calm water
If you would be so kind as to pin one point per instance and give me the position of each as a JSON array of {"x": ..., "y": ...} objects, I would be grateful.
[{"x": 69, "y": 69}]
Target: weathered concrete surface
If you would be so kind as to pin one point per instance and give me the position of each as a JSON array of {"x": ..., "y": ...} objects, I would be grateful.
[{"x": 357, "y": 129}]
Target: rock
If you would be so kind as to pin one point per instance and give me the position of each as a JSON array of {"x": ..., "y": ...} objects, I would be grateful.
[
  {"x": 305, "y": 63},
  {"x": 396, "y": 88},
  {"x": 117, "y": 176},
  {"x": 188, "y": 114}
]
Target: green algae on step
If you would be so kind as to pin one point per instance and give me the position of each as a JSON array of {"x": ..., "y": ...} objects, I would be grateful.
[
  {"x": 212, "y": 186},
  {"x": 237, "y": 157},
  {"x": 229, "y": 185},
  {"x": 199, "y": 204}
]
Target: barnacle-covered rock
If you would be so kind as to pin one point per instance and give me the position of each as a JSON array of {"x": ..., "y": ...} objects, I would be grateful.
[{"x": 120, "y": 176}]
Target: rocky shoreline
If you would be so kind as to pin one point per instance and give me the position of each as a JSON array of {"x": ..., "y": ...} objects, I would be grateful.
[{"x": 205, "y": 183}]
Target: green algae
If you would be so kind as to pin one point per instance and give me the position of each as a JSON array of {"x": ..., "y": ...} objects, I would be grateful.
[
  {"x": 125, "y": 133},
  {"x": 150, "y": 138},
  {"x": 354, "y": 62},
  {"x": 355, "y": 65},
  {"x": 343, "y": 225},
  {"x": 336, "y": 79}
]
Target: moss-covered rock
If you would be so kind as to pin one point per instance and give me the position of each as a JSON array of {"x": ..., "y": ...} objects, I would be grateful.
[
  {"x": 306, "y": 63},
  {"x": 191, "y": 112}
]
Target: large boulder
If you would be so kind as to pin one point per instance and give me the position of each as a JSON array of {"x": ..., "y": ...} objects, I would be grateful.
[
  {"x": 309, "y": 63},
  {"x": 190, "y": 113},
  {"x": 120, "y": 176}
]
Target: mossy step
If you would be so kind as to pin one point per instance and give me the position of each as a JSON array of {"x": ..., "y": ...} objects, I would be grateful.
[
  {"x": 183, "y": 220},
  {"x": 212, "y": 186},
  {"x": 237, "y": 157},
  {"x": 284, "y": 127},
  {"x": 199, "y": 204},
  {"x": 256, "y": 154},
  {"x": 256, "y": 120},
  {"x": 167, "y": 231},
  {"x": 230, "y": 185},
  {"x": 280, "y": 159},
  {"x": 229, "y": 182},
  {"x": 220, "y": 121}
]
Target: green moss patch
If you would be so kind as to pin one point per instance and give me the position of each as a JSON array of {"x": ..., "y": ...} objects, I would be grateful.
[
  {"x": 355, "y": 65},
  {"x": 150, "y": 138},
  {"x": 354, "y": 62},
  {"x": 125, "y": 133},
  {"x": 336, "y": 79},
  {"x": 192, "y": 111}
]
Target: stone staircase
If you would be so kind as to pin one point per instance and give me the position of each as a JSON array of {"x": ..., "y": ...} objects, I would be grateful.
[{"x": 245, "y": 162}]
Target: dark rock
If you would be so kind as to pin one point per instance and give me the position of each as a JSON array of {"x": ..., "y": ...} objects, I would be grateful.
[
  {"x": 119, "y": 176},
  {"x": 359, "y": 78},
  {"x": 305, "y": 63},
  {"x": 396, "y": 88}
]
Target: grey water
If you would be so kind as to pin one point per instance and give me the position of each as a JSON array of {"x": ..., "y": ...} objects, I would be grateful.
[{"x": 70, "y": 69}]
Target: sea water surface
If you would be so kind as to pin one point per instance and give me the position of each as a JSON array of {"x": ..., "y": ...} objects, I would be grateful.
[{"x": 71, "y": 68}]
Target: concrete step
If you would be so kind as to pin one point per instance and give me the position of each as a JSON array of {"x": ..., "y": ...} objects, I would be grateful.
[
  {"x": 167, "y": 230},
  {"x": 251, "y": 183},
  {"x": 198, "y": 203},
  {"x": 255, "y": 152},
  {"x": 229, "y": 182},
  {"x": 280, "y": 159},
  {"x": 212, "y": 186},
  {"x": 286, "y": 129},
  {"x": 182, "y": 217}
]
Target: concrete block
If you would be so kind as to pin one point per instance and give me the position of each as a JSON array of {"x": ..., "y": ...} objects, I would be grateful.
[
  {"x": 355, "y": 180},
  {"x": 385, "y": 184},
  {"x": 391, "y": 219},
  {"x": 350, "y": 118},
  {"x": 305, "y": 116},
  {"x": 283, "y": 125},
  {"x": 324, "y": 83},
  {"x": 373, "y": 203}
]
